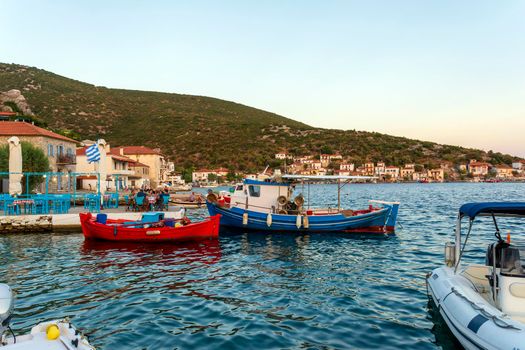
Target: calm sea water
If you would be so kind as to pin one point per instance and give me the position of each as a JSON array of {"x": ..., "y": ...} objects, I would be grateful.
[{"x": 252, "y": 290}]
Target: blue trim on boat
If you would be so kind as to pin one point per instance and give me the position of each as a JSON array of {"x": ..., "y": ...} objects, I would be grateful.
[{"x": 477, "y": 322}]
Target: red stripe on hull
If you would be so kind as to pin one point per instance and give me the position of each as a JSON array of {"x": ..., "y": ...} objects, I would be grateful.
[
  {"x": 207, "y": 229},
  {"x": 373, "y": 229}
]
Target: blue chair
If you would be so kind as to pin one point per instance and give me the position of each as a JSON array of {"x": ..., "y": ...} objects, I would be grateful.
[
  {"x": 165, "y": 201},
  {"x": 139, "y": 202}
]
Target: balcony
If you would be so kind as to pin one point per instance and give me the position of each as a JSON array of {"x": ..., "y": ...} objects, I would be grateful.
[{"x": 66, "y": 159}]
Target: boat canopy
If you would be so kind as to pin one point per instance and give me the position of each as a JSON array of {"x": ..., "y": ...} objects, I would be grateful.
[
  {"x": 326, "y": 177},
  {"x": 492, "y": 208}
]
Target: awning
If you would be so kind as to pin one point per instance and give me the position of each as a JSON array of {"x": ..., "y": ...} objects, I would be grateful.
[{"x": 488, "y": 208}]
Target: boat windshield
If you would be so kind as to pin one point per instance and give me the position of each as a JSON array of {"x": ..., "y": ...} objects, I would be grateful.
[{"x": 513, "y": 261}]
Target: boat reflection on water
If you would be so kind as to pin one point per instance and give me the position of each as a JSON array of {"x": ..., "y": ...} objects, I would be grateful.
[
  {"x": 205, "y": 251},
  {"x": 444, "y": 337}
]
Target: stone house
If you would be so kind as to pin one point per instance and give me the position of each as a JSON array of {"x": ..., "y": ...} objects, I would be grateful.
[{"x": 59, "y": 149}]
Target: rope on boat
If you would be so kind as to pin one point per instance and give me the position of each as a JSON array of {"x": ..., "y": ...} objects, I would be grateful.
[{"x": 497, "y": 320}]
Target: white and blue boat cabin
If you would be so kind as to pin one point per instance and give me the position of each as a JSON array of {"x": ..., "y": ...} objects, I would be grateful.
[{"x": 269, "y": 205}]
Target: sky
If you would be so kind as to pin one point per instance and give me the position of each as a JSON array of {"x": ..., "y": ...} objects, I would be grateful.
[{"x": 439, "y": 70}]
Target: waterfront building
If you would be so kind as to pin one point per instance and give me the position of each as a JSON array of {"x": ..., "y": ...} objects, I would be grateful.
[
  {"x": 437, "y": 175},
  {"x": 201, "y": 175},
  {"x": 343, "y": 172},
  {"x": 478, "y": 168},
  {"x": 393, "y": 171},
  {"x": 159, "y": 167},
  {"x": 327, "y": 158},
  {"x": 60, "y": 150},
  {"x": 380, "y": 169},
  {"x": 519, "y": 166},
  {"x": 140, "y": 177},
  {"x": 347, "y": 166},
  {"x": 369, "y": 169},
  {"x": 316, "y": 166},
  {"x": 503, "y": 171},
  {"x": 117, "y": 165},
  {"x": 406, "y": 173}
]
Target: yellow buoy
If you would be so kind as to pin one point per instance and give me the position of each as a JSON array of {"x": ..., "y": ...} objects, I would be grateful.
[
  {"x": 269, "y": 220},
  {"x": 306, "y": 223},
  {"x": 52, "y": 332},
  {"x": 298, "y": 221},
  {"x": 245, "y": 219}
]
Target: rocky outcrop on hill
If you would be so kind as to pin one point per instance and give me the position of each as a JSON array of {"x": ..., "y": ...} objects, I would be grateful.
[{"x": 14, "y": 101}]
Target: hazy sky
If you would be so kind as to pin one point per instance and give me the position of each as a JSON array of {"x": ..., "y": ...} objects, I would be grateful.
[{"x": 446, "y": 71}]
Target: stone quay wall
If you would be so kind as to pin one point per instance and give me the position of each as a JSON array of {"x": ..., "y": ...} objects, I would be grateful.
[{"x": 26, "y": 224}]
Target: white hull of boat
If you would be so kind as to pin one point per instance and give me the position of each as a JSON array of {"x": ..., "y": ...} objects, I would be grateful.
[
  {"x": 69, "y": 338},
  {"x": 475, "y": 322}
]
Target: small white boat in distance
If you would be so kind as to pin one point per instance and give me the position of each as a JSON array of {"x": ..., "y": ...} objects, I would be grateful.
[
  {"x": 483, "y": 305},
  {"x": 52, "y": 335}
]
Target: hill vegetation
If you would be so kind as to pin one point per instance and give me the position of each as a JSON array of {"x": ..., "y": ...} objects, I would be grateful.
[{"x": 204, "y": 131}]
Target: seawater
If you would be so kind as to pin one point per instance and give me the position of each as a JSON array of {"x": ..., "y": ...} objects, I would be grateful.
[{"x": 256, "y": 290}]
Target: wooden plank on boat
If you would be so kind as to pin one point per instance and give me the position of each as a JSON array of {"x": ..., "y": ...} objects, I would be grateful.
[{"x": 152, "y": 233}]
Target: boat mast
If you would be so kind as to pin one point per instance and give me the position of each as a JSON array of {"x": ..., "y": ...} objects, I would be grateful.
[{"x": 338, "y": 195}]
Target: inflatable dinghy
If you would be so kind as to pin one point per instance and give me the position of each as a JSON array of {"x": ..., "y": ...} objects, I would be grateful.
[
  {"x": 483, "y": 305},
  {"x": 52, "y": 335}
]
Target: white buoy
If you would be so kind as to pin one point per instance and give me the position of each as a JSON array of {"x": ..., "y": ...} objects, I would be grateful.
[
  {"x": 245, "y": 219},
  {"x": 306, "y": 222},
  {"x": 269, "y": 219},
  {"x": 298, "y": 221}
]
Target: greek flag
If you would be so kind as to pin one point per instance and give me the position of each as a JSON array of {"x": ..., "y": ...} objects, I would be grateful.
[{"x": 92, "y": 153}]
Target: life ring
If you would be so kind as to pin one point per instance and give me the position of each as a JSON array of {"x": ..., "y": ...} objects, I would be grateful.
[
  {"x": 299, "y": 200},
  {"x": 212, "y": 198},
  {"x": 282, "y": 200}
]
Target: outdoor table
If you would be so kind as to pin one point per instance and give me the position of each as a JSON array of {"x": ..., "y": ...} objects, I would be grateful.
[{"x": 27, "y": 204}]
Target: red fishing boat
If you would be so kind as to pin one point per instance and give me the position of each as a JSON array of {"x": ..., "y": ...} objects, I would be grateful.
[{"x": 151, "y": 228}]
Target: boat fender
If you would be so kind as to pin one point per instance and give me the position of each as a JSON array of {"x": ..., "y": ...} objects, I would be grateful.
[
  {"x": 52, "y": 332},
  {"x": 245, "y": 219},
  {"x": 306, "y": 222},
  {"x": 269, "y": 220},
  {"x": 298, "y": 221}
]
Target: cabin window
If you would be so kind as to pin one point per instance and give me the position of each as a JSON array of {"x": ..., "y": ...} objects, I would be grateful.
[
  {"x": 255, "y": 191},
  {"x": 239, "y": 188}
]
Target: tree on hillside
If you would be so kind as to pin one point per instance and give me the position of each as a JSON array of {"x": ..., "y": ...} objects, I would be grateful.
[{"x": 33, "y": 160}]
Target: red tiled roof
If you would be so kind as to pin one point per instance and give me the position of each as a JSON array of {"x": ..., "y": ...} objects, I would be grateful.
[
  {"x": 137, "y": 164},
  {"x": 478, "y": 164},
  {"x": 8, "y": 128},
  {"x": 128, "y": 150},
  {"x": 7, "y": 113}
]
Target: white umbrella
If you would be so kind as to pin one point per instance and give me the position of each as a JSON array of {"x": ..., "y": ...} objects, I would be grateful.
[{"x": 15, "y": 165}]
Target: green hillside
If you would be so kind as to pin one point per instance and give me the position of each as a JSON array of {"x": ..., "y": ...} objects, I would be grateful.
[{"x": 205, "y": 131}]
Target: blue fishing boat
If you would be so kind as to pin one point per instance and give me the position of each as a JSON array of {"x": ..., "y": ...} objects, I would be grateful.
[{"x": 268, "y": 206}]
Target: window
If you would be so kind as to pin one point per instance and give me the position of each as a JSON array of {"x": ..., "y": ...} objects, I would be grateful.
[
  {"x": 255, "y": 191},
  {"x": 50, "y": 150},
  {"x": 60, "y": 150}
]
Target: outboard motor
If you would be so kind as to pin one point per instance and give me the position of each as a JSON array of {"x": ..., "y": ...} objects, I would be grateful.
[
  {"x": 6, "y": 308},
  {"x": 511, "y": 291}
]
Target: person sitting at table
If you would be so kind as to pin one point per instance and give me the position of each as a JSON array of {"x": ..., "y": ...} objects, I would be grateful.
[{"x": 192, "y": 197}]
